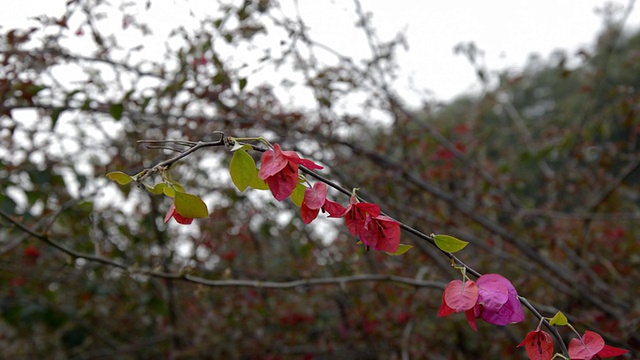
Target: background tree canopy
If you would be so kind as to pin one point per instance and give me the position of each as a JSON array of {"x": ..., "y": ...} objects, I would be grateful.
[{"x": 539, "y": 172}]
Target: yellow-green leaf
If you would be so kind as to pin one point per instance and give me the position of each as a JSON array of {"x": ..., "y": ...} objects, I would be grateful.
[
  {"x": 120, "y": 177},
  {"x": 242, "y": 169},
  {"x": 559, "y": 319},
  {"x": 402, "y": 248},
  {"x": 258, "y": 183},
  {"x": 298, "y": 194},
  {"x": 174, "y": 184},
  {"x": 190, "y": 206},
  {"x": 449, "y": 243},
  {"x": 157, "y": 189},
  {"x": 168, "y": 191}
]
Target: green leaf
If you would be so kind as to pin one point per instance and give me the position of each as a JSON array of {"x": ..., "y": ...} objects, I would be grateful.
[
  {"x": 190, "y": 206},
  {"x": 168, "y": 191},
  {"x": 33, "y": 90},
  {"x": 120, "y": 177},
  {"x": 128, "y": 94},
  {"x": 116, "y": 111},
  {"x": 559, "y": 319},
  {"x": 86, "y": 105},
  {"x": 401, "y": 250},
  {"x": 242, "y": 83},
  {"x": 144, "y": 104},
  {"x": 171, "y": 187},
  {"x": 55, "y": 115},
  {"x": 177, "y": 186},
  {"x": 70, "y": 95},
  {"x": 258, "y": 183},
  {"x": 449, "y": 243},
  {"x": 242, "y": 169},
  {"x": 157, "y": 189},
  {"x": 298, "y": 194}
]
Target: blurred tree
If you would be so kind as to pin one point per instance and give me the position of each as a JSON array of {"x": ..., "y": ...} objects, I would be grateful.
[{"x": 539, "y": 172}]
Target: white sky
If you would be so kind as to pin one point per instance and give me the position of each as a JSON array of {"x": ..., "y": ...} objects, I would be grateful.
[{"x": 508, "y": 31}]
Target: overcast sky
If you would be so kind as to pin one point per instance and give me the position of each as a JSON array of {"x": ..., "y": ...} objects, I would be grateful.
[{"x": 508, "y": 31}]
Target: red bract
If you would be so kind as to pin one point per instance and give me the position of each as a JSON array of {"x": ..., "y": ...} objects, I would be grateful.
[
  {"x": 538, "y": 345},
  {"x": 445, "y": 310},
  {"x": 172, "y": 213},
  {"x": 591, "y": 345},
  {"x": 332, "y": 208},
  {"x": 314, "y": 200},
  {"x": 382, "y": 233},
  {"x": 461, "y": 296},
  {"x": 355, "y": 215},
  {"x": 378, "y": 231},
  {"x": 279, "y": 169}
]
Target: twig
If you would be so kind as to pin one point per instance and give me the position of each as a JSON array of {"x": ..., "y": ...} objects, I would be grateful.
[{"x": 191, "y": 148}]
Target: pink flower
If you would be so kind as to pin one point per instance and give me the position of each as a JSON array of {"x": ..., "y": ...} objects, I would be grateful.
[
  {"x": 590, "y": 345},
  {"x": 315, "y": 199},
  {"x": 496, "y": 300},
  {"x": 355, "y": 215},
  {"x": 382, "y": 233},
  {"x": 279, "y": 169},
  {"x": 378, "y": 231}
]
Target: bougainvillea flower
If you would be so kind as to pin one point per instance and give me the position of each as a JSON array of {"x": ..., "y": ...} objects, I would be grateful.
[
  {"x": 173, "y": 213},
  {"x": 538, "y": 345},
  {"x": 381, "y": 232},
  {"x": 364, "y": 220},
  {"x": 355, "y": 215},
  {"x": 445, "y": 310},
  {"x": 591, "y": 345},
  {"x": 315, "y": 199},
  {"x": 461, "y": 296},
  {"x": 498, "y": 301},
  {"x": 279, "y": 169},
  {"x": 334, "y": 209}
]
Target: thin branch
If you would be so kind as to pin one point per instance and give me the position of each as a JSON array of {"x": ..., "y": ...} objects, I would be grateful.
[
  {"x": 455, "y": 259},
  {"x": 192, "y": 147},
  {"x": 259, "y": 284}
]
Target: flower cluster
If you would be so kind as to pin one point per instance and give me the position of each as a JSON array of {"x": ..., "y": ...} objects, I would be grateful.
[
  {"x": 375, "y": 230},
  {"x": 279, "y": 170},
  {"x": 491, "y": 298},
  {"x": 539, "y": 346}
]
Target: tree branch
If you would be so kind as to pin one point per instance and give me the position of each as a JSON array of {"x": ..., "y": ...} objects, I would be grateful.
[{"x": 258, "y": 284}]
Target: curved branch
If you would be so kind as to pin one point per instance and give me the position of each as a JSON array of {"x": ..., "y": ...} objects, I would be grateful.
[{"x": 259, "y": 284}]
